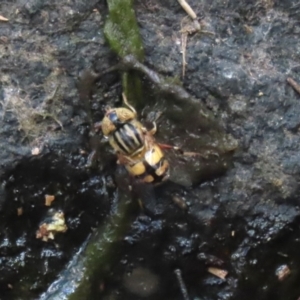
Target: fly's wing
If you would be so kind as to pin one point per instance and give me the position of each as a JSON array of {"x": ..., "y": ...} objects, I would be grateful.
[
  {"x": 142, "y": 192},
  {"x": 206, "y": 149},
  {"x": 146, "y": 195},
  {"x": 192, "y": 169},
  {"x": 199, "y": 157},
  {"x": 182, "y": 170}
]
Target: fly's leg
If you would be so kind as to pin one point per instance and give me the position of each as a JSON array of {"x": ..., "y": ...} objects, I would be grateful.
[
  {"x": 153, "y": 130},
  {"x": 180, "y": 150},
  {"x": 97, "y": 126},
  {"x": 124, "y": 160},
  {"x": 128, "y": 105}
]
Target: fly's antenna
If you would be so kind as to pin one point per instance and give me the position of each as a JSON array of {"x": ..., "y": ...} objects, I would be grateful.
[{"x": 127, "y": 104}]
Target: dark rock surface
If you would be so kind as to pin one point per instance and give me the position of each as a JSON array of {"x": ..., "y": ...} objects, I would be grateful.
[{"x": 245, "y": 222}]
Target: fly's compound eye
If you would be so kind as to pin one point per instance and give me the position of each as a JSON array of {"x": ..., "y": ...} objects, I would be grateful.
[
  {"x": 114, "y": 118},
  {"x": 111, "y": 122}
]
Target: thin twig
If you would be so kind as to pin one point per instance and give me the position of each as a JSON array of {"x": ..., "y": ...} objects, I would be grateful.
[
  {"x": 186, "y": 30},
  {"x": 3, "y": 19},
  {"x": 183, "y": 51},
  {"x": 182, "y": 284},
  {"x": 294, "y": 84},
  {"x": 188, "y": 9}
]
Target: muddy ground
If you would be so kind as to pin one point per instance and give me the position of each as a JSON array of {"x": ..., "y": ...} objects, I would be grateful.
[{"x": 244, "y": 221}]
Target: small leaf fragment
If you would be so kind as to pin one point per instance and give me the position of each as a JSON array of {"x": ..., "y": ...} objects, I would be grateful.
[
  {"x": 20, "y": 211},
  {"x": 35, "y": 151},
  {"x": 3, "y": 19},
  {"x": 218, "y": 272},
  {"x": 283, "y": 272},
  {"x": 49, "y": 199}
]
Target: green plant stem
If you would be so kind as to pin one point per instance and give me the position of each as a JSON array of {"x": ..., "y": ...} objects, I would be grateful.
[{"x": 122, "y": 33}]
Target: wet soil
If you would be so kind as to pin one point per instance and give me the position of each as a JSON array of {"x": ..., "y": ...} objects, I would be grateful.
[{"x": 244, "y": 221}]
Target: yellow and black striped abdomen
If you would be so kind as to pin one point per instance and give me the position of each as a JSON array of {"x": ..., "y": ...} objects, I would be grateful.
[
  {"x": 128, "y": 139},
  {"x": 152, "y": 167}
]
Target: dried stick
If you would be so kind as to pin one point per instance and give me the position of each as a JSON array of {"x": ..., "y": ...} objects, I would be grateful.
[
  {"x": 182, "y": 284},
  {"x": 188, "y": 9},
  {"x": 294, "y": 84}
]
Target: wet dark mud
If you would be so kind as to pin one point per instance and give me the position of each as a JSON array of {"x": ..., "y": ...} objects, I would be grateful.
[
  {"x": 28, "y": 263},
  {"x": 241, "y": 216}
]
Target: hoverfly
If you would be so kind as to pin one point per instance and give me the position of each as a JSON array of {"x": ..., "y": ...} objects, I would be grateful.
[
  {"x": 143, "y": 157},
  {"x": 134, "y": 145}
]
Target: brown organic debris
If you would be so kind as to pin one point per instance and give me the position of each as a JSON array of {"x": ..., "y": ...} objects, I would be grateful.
[
  {"x": 35, "y": 151},
  {"x": 294, "y": 84},
  {"x": 186, "y": 30},
  {"x": 180, "y": 202},
  {"x": 20, "y": 211},
  {"x": 187, "y": 9},
  {"x": 49, "y": 228},
  {"x": 248, "y": 29},
  {"x": 3, "y": 19},
  {"x": 49, "y": 199},
  {"x": 218, "y": 272},
  {"x": 283, "y": 272},
  {"x": 189, "y": 29},
  {"x": 182, "y": 284}
]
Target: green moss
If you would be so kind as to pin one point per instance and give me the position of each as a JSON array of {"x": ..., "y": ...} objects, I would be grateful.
[
  {"x": 122, "y": 33},
  {"x": 173, "y": 80},
  {"x": 132, "y": 86},
  {"x": 104, "y": 249},
  {"x": 121, "y": 29}
]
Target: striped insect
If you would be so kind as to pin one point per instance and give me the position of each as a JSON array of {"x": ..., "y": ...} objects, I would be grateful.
[{"x": 134, "y": 145}]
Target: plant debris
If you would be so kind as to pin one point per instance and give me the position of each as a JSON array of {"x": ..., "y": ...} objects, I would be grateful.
[
  {"x": 20, "y": 211},
  {"x": 49, "y": 199},
  {"x": 188, "y": 9},
  {"x": 218, "y": 272},
  {"x": 283, "y": 272},
  {"x": 35, "y": 151},
  {"x": 3, "y": 19},
  {"x": 294, "y": 84},
  {"x": 182, "y": 285},
  {"x": 51, "y": 226}
]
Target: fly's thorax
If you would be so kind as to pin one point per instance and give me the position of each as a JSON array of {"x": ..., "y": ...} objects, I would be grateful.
[
  {"x": 116, "y": 117},
  {"x": 128, "y": 139},
  {"x": 135, "y": 145}
]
